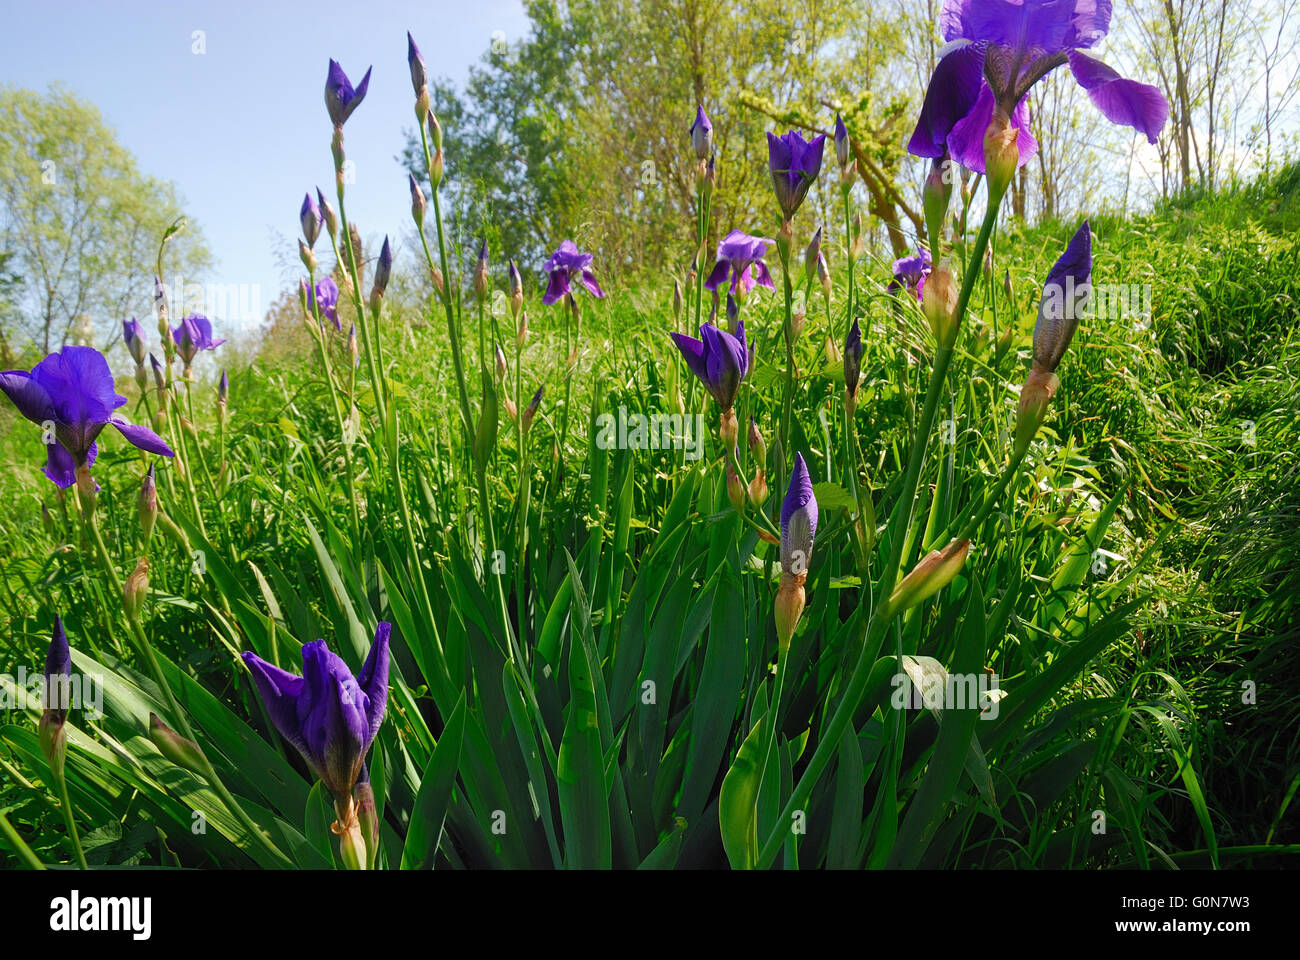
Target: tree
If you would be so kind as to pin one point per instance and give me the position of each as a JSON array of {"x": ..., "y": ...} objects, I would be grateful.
[
  {"x": 80, "y": 221},
  {"x": 580, "y": 130}
]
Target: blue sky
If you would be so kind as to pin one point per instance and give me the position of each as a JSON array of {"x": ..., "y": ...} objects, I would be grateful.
[{"x": 241, "y": 128}]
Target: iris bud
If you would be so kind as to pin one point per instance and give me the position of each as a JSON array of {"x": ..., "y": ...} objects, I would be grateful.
[
  {"x": 1001, "y": 152},
  {"x": 418, "y": 203},
  {"x": 735, "y": 489},
  {"x": 147, "y": 504},
  {"x": 136, "y": 589},
  {"x": 928, "y": 577},
  {"x": 939, "y": 300},
  {"x": 179, "y": 750}
]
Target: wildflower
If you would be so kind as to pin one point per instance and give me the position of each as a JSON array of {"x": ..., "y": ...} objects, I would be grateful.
[
  {"x": 133, "y": 335},
  {"x": 798, "y": 529},
  {"x": 72, "y": 390},
  {"x": 1065, "y": 296},
  {"x": 739, "y": 253},
  {"x": 340, "y": 98},
  {"x": 330, "y": 716},
  {"x": 55, "y": 699},
  {"x": 194, "y": 333},
  {"x": 721, "y": 361},
  {"x": 910, "y": 273},
  {"x": 567, "y": 264},
  {"x": 326, "y": 294},
  {"x": 311, "y": 219},
  {"x": 996, "y": 51},
  {"x": 794, "y": 164}
]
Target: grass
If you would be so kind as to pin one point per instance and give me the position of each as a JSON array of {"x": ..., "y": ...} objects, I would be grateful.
[{"x": 522, "y": 731}]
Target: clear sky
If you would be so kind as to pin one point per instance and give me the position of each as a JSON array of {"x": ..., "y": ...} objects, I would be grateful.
[{"x": 241, "y": 127}]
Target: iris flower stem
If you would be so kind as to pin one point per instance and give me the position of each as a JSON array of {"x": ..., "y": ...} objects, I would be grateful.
[
  {"x": 375, "y": 380},
  {"x": 452, "y": 336},
  {"x": 568, "y": 373},
  {"x": 65, "y": 801},
  {"x": 105, "y": 561},
  {"x": 524, "y": 483},
  {"x": 318, "y": 334},
  {"x": 828, "y": 743},
  {"x": 787, "y": 403},
  {"x": 848, "y": 247},
  {"x": 206, "y": 768}
]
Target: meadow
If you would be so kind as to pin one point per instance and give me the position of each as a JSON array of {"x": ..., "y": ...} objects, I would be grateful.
[{"x": 606, "y": 651}]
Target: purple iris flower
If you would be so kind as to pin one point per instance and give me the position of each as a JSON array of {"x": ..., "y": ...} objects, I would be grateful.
[
  {"x": 73, "y": 390},
  {"x": 567, "y": 264},
  {"x": 798, "y": 519},
  {"x": 327, "y": 295},
  {"x": 330, "y": 716},
  {"x": 193, "y": 334},
  {"x": 910, "y": 273},
  {"x": 720, "y": 360},
  {"x": 997, "y": 50},
  {"x": 133, "y": 334},
  {"x": 737, "y": 254},
  {"x": 794, "y": 164},
  {"x": 340, "y": 98}
]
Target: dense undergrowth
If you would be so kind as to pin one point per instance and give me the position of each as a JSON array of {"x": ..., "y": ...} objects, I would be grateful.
[{"x": 1143, "y": 563}]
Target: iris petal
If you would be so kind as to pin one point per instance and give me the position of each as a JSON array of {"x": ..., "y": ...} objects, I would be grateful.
[{"x": 1137, "y": 105}]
